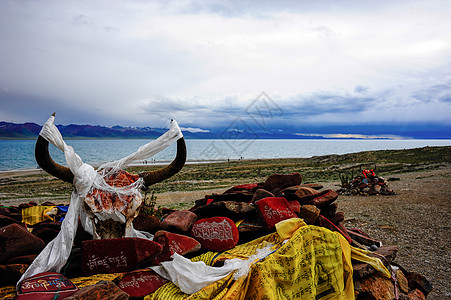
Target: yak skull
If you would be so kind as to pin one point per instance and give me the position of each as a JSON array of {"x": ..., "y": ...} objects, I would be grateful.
[{"x": 115, "y": 199}]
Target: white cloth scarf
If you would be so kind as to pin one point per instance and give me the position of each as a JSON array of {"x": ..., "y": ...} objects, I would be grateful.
[{"x": 55, "y": 255}]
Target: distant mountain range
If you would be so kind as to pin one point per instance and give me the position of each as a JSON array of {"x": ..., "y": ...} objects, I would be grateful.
[{"x": 31, "y": 131}]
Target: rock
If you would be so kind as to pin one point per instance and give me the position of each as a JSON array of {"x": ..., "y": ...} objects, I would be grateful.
[
  {"x": 290, "y": 192},
  {"x": 11, "y": 273},
  {"x": 416, "y": 294},
  {"x": 141, "y": 283},
  {"x": 181, "y": 220},
  {"x": 403, "y": 284},
  {"x": 362, "y": 270},
  {"x": 278, "y": 182},
  {"x": 45, "y": 286},
  {"x": 337, "y": 217},
  {"x": 309, "y": 213},
  {"x": 99, "y": 291},
  {"x": 304, "y": 191},
  {"x": 251, "y": 229},
  {"x": 243, "y": 187},
  {"x": 363, "y": 239},
  {"x": 387, "y": 252},
  {"x": 46, "y": 234},
  {"x": 243, "y": 196},
  {"x": 360, "y": 231},
  {"x": 377, "y": 287},
  {"x": 215, "y": 234},
  {"x": 116, "y": 255},
  {"x": 324, "y": 198},
  {"x": 5, "y": 221},
  {"x": 295, "y": 206},
  {"x": 51, "y": 225},
  {"x": 26, "y": 259},
  {"x": 146, "y": 223},
  {"x": 173, "y": 243},
  {"x": 418, "y": 281},
  {"x": 324, "y": 222},
  {"x": 272, "y": 210},
  {"x": 330, "y": 210},
  {"x": 15, "y": 240},
  {"x": 261, "y": 194},
  {"x": 230, "y": 209}
]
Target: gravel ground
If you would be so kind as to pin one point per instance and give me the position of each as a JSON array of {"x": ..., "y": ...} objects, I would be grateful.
[{"x": 417, "y": 219}]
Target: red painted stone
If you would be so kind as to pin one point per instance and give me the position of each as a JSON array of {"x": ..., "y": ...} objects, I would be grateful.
[
  {"x": 45, "y": 286},
  {"x": 416, "y": 294},
  {"x": 378, "y": 287},
  {"x": 309, "y": 213},
  {"x": 418, "y": 281},
  {"x": 261, "y": 194},
  {"x": 100, "y": 291},
  {"x": 182, "y": 220},
  {"x": 324, "y": 198},
  {"x": 324, "y": 222},
  {"x": 295, "y": 206},
  {"x": 272, "y": 210},
  {"x": 278, "y": 182},
  {"x": 304, "y": 191},
  {"x": 141, "y": 283},
  {"x": 146, "y": 223},
  {"x": 116, "y": 255},
  {"x": 216, "y": 234},
  {"x": 241, "y": 187},
  {"x": 173, "y": 243},
  {"x": 5, "y": 221},
  {"x": 15, "y": 240}
]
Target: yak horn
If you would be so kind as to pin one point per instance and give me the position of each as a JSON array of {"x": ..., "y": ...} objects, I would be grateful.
[
  {"x": 177, "y": 164},
  {"x": 44, "y": 160}
]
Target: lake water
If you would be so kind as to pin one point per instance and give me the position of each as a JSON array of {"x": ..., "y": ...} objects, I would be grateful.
[{"x": 19, "y": 154}]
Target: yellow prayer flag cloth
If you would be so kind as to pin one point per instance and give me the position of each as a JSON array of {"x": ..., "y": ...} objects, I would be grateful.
[
  {"x": 308, "y": 262},
  {"x": 36, "y": 214}
]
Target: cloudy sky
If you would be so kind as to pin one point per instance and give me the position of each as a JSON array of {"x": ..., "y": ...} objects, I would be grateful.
[{"x": 318, "y": 64}]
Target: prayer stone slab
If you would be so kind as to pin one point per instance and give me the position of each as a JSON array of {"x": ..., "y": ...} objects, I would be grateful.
[
  {"x": 116, "y": 255},
  {"x": 278, "y": 182},
  {"x": 216, "y": 234},
  {"x": 173, "y": 243},
  {"x": 272, "y": 210},
  {"x": 182, "y": 220},
  {"x": 141, "y": 283},
  {"x": 45, "y": 286},
  {"x": 17, "y": 241}
]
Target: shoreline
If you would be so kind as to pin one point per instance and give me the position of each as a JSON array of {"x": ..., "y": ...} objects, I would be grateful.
[{"x": 32, "y": 171}]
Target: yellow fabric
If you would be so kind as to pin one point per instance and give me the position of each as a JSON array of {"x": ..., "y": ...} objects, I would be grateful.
[
  {"x": 81, "y": 282},
  {"x": 36, "y": 214},
  {"x": 312, "y": 264},
  {"x": 376, "y": 263},
  {"x": 7, "y": 292},
  {"x": 309, "y": 262}
]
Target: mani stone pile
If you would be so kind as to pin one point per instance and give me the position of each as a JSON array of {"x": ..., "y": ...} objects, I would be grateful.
[
  {"x": 217, "y": 222},
  {"x": 367, "y": 183}
]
